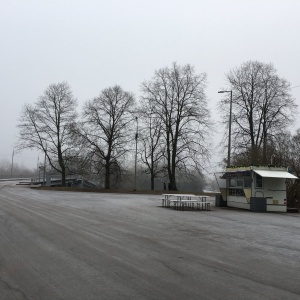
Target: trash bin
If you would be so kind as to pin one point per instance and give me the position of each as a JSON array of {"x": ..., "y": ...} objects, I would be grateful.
[
  {"x": 219, "y": 201},
  {"x": 258, "y": 204}
]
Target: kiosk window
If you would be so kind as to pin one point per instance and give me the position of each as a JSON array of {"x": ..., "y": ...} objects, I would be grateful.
[
  {"x": 239, "y": 182},
  {"x": 259, "y": 181},
  {"x": 247, "y": 182},
  {"x": 232, "y": 182}
]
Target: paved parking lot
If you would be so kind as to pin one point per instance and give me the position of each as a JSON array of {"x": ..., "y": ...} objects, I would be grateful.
[{"x": 67, "y": 245}]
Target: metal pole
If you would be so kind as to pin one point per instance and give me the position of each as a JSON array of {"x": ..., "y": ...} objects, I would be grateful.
[
  {"x": 39, "y": 170},
  {"x": 136, "y": 138},
  {"x": 229, "y": 133},
  {"x": 229, "y": 137},
  {"x": 12, "y": 163},
  {"x": 44, "y": 179}
]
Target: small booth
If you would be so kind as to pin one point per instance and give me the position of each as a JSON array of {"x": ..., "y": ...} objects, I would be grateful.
[{"x": 256, "y": 188}]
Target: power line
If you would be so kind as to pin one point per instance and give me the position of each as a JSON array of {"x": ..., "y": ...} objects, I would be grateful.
[{"x": 295, "y": 86}]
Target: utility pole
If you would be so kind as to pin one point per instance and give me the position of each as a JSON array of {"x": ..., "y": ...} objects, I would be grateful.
[
  {"x": 12, "y": 163},
  {"x": 44, "y": 179},
  {"x": 229, "y": 129},
  {"x": 136, "y": 139}
]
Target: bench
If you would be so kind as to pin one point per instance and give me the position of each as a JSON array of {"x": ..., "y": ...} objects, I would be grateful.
[
  {"x": 181, "y": 204},
  {"x": 200, "y": 205}
]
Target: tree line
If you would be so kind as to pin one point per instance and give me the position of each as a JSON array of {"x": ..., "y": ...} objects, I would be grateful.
[
  {"x": 13, "y": 170},
  {"x": 169, "y": 128}
]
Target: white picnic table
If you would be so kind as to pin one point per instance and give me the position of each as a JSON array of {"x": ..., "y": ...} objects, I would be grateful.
[{"x": 186, "y": 200}]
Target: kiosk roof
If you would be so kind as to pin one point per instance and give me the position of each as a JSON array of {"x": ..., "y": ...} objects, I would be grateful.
[{"x": 275, "y": 174}]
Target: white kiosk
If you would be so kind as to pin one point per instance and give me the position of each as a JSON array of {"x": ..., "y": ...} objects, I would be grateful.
[{"x": 257, "y": 188}]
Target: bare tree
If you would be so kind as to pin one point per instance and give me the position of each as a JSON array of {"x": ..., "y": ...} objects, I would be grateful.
[
  {"x": 177, "y": 93},
  {"x": 286, "y": 153},
  {"x": 105, "y": 130},
  {"x": 293, "y": 161},
  {"x": 262, "y": 108},
  {"x": 45, "y": 125},
  {"x": 152, "y": 152}
]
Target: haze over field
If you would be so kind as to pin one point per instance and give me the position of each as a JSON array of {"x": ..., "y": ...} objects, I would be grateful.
[{"x": 96, "y": 44}]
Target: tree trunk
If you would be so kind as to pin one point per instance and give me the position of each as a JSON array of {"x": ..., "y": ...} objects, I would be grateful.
[
  {"x": 173, "y": 186},
  {"x": 254, "y": 155},
  {"x": 152, "y": 181},
  {"x": 264, "y": 158},
  {"x": 107, "y": 175},
  {"x": 63, "y": 176},
  {"x": 61, "y": 164},
  {"x": 173, "y": 164}
]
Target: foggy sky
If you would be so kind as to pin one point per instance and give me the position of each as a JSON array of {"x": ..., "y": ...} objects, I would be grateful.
[{"x": 96, "y": 44}]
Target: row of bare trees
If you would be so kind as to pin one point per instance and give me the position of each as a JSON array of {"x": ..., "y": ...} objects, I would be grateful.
[
  {"x": 174, "y": 124},
  {"x": 173, "y": 116},
  {"x": 13, "y": 170}
]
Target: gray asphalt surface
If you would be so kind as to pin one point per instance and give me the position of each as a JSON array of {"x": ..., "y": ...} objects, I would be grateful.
[{"x": 64, "y": 245}]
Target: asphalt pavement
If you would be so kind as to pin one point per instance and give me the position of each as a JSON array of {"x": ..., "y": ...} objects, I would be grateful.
[{"x": 69, "y": 245}]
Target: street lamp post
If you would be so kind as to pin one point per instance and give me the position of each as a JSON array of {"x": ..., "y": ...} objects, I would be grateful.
[
  {"x": 12, "y": 163},
  {"x": 44, "y": 179},
  {"x": 229, "y": 133},
  {"x": 136, "y": 139}
]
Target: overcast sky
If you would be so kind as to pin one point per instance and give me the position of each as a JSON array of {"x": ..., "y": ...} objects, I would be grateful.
[{"x": 94, "y": 44}]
